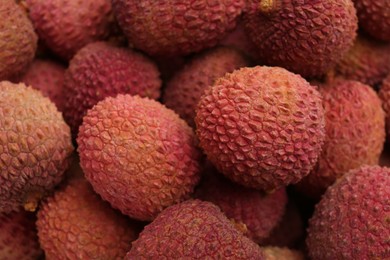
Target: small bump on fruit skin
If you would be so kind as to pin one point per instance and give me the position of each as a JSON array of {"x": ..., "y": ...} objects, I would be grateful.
[
  {"x": 262, "y": 127},
  {"x": 183, "y": 92},
  {"x": 368, "y": 61},
  {"x": 18, "y": 236},
  {"x": 48, "y": 77},
  {"x": 35, "y": 146},
  {"x": 352, "y": 219},
  {"x": 374, "y": 17},
  {"x": 138, "y": 155},
  {"x": 305, "y": 37},
  {"x": 355, "y": 133},
  {"x": 66, "y": 26},
  {"x": 384, "y": 94},
  {"x": 75, "y": 223},
  {"x": 100, "y": 70},
  {"x": 176, "y": 27},
  {"x": 193, "y": 230},
  {"x": 18, "y": 41},
  {"x": 259, "y": 212}
]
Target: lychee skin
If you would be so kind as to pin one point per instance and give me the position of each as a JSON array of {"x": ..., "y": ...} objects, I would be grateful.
[
  {"x": 384, "y": 94},
  {"x": 183, "y": 92},
  {"x": 258, "y": 211},
  {"x": 75, "y": 223},
  {"x": 65, "y": 26},
  {"x": 367, "y": 61},
  {"x": 35, "y": 146},
  {"x": 355, "y": 133},
  {"x": 305, "y": 37},
  {"x": 138, "y": 155},
  {"x": 374, "y": 17},
  {"x": 18, "y": 236},
  {"x": 352, "y": 219},
  {"x": 262, "y": 127},
  {"x": 193, "y": 230},
  {"x": 101, "y": 70},
  {"x": 48, "y": 77},
  {"x": 18, "y": 41},
  {"x": 176, "y": 27}
]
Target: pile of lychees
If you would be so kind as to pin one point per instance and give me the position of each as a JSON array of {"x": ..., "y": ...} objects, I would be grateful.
[{"x": 194, "y": 129}]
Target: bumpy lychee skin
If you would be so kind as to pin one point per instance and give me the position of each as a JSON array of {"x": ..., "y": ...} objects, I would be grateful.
[
  {"x": 48, "y": 77},
  {"x": 374, "y": 17},
  {"x": 18, "y": 41},
  {"x": 262, "y": 127},
  {"x": 35, "y": 146},
  {"x": 368, "y": 61},
  {"x": 18, "y": 236},
  {"x": 305, "y": 37},
  {"x": 279, "y": 253},
  {"x": 101, "y": 70},
  {"x": 193, "y": 230},
  {"x": 384, "y": 94},
  {"x": 355, "y": 133},
  {"x": 138, "y": 155},
  {"x": 183, "y": 92},
  {"x": 352, "y": 219},
  {"x": 176, "y": 27},
  {"x": 65, "y": 26},
  {"x": 75, "y": 223},
  {"x": 258, "y": 211}
]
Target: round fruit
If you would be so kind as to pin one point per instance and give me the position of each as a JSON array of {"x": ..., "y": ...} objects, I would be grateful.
[
  {"x": 259, "y": 212},
  {"x": 48, "y": 77},
  {"x": 35, "y": 146},
  {"x": 176, "y": 27},
  {"x": 101, "y": 70},
  {"x": 65, "y": 26},
  {"x": 76, "y": 223},
  {"x": 305, "y": 37},
  {"x": 193, "y": 230},
  {"x": 352, "y": 219},
  {"x": 262, "y": 127},
  {"x": 183, "y": 92},
  {"x": 374, "y": 17},
  {"x": 355, "y": 133},
  {"x": 367, "y": 61},
  {"x": 138, "y": 155},
  {"x": 18, "y": 41},
  {"x": 18, "y": 236}
]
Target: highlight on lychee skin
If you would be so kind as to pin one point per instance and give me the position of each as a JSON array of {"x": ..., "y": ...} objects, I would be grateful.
[
  {"x": 138, "y": 155},
  {"x": 262, "y": 127}
]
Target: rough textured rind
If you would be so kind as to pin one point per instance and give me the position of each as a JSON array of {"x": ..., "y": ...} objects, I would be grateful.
[
  {"x": 279, "y": 253},
  {"x": 48, "y": 77},
  {"x": 374, "y": 17},
  {"x": 18, "y": 236},
  {"x": 352, "y": 219},
  {"x": 100, "y": 70},
  {"x": 262, "y": 127},
  {"x": 258, "y": 211},
  {"x": 65, "y": 26},
  {"x": 355, "y": 133},
  {"x": 138, "y": 155},
  {"x": 18, "y": 41},
  {"x": 176, "y": 27},
  {"x": 368, "y": 61},
  {"x": 183, "y": 92},
  {"x": 75, "y": 223},
  {"x": 384, "y": 94},
  {"x": 35, "y": 146},
  {"x": 305, "y": 37},
  {"x": 193, "y": 230},
  {"x": 289, "y": 232}
]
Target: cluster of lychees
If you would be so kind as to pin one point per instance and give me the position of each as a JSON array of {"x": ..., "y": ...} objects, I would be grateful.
[{"x": 202, "y": 129}]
